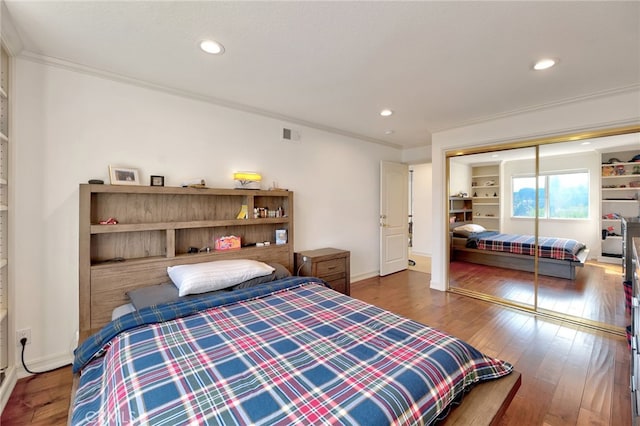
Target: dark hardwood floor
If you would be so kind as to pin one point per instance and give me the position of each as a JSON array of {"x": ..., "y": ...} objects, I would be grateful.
[
  {"x": 40, "y": 400},
  {"x": 596, "y": 294},
  {"x": 570, "y": 375}
]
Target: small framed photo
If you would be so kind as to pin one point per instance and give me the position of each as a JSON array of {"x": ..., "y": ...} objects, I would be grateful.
[
  {"x": 156, "y": 180},
  {"x": 123, "y": 176}
]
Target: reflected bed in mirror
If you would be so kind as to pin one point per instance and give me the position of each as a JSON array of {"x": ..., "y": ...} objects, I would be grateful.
[{"x": 557, "y": 257}]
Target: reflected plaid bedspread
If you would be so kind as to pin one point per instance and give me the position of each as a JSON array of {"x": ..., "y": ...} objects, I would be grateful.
[
  {"x": 300, "y": 354},
  {"x": 554, "y": 248}
]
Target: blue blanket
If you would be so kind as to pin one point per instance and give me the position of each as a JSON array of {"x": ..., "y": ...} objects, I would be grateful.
[{"x": 291, "y": 352}]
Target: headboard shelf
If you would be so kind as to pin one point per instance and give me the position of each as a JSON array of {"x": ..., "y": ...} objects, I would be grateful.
[
  {"x": 130, "y": 227},
  {"x": 186, "y": 258},
  {"x": 157, "y": 226}
]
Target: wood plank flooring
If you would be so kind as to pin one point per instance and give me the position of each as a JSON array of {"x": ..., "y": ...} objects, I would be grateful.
[
  {"x": 596, "y": 294},
  {"x": 41, "y": 400},
  {"x": 570, "y": 375}
]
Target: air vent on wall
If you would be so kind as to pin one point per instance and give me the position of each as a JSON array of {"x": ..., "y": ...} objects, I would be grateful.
[{"x": 290, "y": 135}]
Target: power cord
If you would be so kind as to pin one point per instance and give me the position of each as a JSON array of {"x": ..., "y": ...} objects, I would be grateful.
[
  {"x": 304, "y": 260},
  {"x": 23, "y": 342}
]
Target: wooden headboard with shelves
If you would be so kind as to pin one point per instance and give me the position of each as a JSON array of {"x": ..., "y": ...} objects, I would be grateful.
[{"x": 156, "y": 226}]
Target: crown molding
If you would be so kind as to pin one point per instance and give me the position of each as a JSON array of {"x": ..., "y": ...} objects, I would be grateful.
[
  {"x": 521, "y": 111},
  {"x": 10, "y": 37}
]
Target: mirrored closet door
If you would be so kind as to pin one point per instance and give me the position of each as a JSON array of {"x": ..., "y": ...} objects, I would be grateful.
[
  {"x": 481, "y": 219},
  {"x": 540, "y": 227}
]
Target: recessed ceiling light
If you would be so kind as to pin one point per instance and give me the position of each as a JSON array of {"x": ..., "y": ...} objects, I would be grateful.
[
  {"x": 389, "y": 132},
  {"x": 211, "y": 46},
  {"x": 586, "y": 143},
  {"x": 494, "y": 156},
  {"x": 544, "y": 64},
  {"x": 386, "y": 112}
]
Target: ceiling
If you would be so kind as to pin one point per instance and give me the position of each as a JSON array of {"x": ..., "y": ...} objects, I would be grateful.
[{"x": 335, "y": 65}]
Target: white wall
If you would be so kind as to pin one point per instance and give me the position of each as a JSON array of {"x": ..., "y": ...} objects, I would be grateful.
[
  {"x": 597, "y": 112},
  {"x": 459, "y": 179},
  {"x": 422, "y": 209},
  {"x": 69, "y": 126},
  {"x": 419, "y": 155}
]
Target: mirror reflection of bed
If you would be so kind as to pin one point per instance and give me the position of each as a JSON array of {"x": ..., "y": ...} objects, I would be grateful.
[{"x": 488, "y": 191}]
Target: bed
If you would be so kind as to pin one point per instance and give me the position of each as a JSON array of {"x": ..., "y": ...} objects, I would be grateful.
[
  {"x": 162, "y": 342},
  {"x": 278, "y": 352},
  {"x": 557, "y": 257}
]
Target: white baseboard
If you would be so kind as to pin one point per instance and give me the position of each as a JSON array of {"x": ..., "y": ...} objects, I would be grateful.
[
  {"x": 8, "y": 384},
  {"x": 42, "y": 364},
  {"x": 360, "y": 277}
]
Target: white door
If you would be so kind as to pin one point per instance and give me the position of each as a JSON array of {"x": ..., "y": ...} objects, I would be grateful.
[{"x": 394, "y": 234}]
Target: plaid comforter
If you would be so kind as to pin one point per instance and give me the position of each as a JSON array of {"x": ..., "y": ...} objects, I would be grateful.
[
  {"x": 293, "y": 352},
  {"x": 554, "y": 248}
]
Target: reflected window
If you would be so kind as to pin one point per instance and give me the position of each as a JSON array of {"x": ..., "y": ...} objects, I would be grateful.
[{"x": 560, "y": 196}]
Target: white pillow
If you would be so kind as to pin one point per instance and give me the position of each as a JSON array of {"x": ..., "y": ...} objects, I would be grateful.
[
  {"x": 470, "y": 227},
  {"x": 210, "y": 276}
]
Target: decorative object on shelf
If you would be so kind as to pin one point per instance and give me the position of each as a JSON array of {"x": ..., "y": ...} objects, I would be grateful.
[
  {"x": 156, "y": 180},
  {"x": 495, "y": 194},
  {"x": 475, "y": 194},
  {"x": 110, "y": 221},
  {"x": 229, "y": 242},
  {"x": 281, "y": 236},
  {"x": 194, "y": 183},
  {"x": 275, "y": 187},
  {"x": 608, "y": 170},
  {"x": 462, "y": 194},
  {"x": 611, "y": 216},
  {"x": 243, "y": 213},
  {"x": 96, "y": 182},
  {"x": 247, "y": 180},
  {"x": 490, "y": 182},
  {"x": 620, "y": 171},
  {"x": 636, "y": 170},
  {"x": 123, "y": 176}
]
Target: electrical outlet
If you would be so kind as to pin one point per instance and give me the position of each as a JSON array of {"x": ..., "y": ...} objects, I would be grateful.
[{"x": 24, "y": 333}]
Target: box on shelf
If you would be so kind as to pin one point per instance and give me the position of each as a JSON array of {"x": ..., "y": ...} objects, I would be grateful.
[{"x": 227, "y": 243}]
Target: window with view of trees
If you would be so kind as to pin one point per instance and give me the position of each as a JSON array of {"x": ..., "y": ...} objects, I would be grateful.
[{"x": 560, "y": 196}]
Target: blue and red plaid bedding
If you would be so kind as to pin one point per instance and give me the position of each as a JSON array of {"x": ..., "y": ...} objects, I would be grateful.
[
  {"x": 294, "y": 352},
  {"x": 554, "y": 248}
]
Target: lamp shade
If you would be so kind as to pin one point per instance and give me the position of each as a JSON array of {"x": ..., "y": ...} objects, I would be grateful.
[
  {"x": 247, "y": 180},
  {"x": 248, "y": 176}
]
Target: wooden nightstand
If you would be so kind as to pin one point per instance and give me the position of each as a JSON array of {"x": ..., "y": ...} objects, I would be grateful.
[{"x": 329, "y": 264}]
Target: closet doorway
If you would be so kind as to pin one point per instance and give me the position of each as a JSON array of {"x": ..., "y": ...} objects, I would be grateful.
[{"x": 531, "y": 193}]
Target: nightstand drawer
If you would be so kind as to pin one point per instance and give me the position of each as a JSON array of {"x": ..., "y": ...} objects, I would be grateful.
[
  {"x": 339, "y": 285},
  {"x": 330, "y": 267}
]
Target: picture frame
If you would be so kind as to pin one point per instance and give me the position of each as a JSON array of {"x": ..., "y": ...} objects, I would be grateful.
[
  {"x": 123, "y": 176},
  {"x": 155, "y": 180}
]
